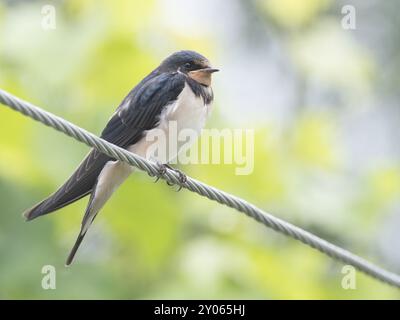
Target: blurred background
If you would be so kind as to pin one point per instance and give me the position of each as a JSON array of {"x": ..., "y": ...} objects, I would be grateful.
[{"x": 322, "y": 99}]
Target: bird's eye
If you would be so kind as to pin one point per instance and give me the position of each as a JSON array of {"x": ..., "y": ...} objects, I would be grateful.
[{"x": 188, "y": 65}]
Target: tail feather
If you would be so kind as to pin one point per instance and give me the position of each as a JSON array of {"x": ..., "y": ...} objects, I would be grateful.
[
  {"x": 47, "y": 206},
  {"x": 79, "y": 185},
  {"x": 90, "y": 215},
  {"x": 75, "y": 248}
]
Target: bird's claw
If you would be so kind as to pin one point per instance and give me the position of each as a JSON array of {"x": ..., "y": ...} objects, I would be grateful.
[
  {"x": 162, "y": 169},
  {"x": 181, "y": 178}
]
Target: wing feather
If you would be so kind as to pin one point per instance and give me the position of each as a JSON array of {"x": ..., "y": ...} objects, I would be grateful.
[{"x": 139, "y": 111}]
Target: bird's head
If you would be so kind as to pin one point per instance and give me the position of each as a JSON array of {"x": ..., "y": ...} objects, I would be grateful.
[{"x": 190, "y": 63}]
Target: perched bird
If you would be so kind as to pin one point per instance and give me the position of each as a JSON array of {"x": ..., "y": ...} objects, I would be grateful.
[{"x": 178, "y": 90}]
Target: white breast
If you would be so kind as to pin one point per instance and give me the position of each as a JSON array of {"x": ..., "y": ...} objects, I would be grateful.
[
  {"x": 187, "y": 114},
  {"x": 188, "y": 111}
]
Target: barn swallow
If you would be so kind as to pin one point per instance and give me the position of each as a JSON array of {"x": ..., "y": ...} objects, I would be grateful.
[{"x": 179, "y": 90}]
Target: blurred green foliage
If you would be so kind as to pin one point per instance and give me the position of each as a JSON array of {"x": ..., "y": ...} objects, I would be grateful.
[{"x": 149, "y": 241}]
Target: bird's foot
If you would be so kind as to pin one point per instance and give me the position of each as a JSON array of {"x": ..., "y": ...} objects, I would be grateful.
[
  {"x": 182, "y": 178},
  {"x": 162, "y": 169}
]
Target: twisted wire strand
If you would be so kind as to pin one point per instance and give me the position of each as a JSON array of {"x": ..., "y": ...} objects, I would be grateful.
[{"x": 200, "y": 188}]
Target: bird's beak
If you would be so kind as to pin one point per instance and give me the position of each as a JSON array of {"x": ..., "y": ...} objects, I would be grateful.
[
  {"x": 209, "y": 70},
  {"x": 202, "y": 76}
]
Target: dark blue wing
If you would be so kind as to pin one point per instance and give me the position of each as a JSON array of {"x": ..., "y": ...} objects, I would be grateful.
[
  {"x": 138, "y": 112},
  {"x": 141, "y": 109}
]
